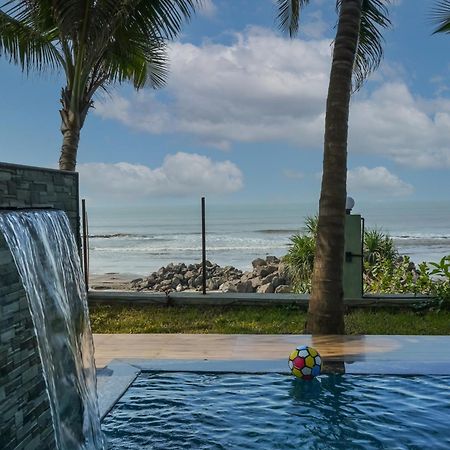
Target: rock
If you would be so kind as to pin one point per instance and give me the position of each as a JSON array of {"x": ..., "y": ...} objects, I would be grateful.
[
  {"x": 265, "y": 289},
  {"x": 283, "y": 289},
  {"x": 256, "y": 282},
  {"x": 213, "y": 283},
  {"x": 246, "y": 277},
  {"x": 276, "y": 281},
  {"x": 228, "y": 286},
  {"x": 272, "y": 260},
  {"x": 269, "y": 278},
  {"x": 263, "y": 271},
  {"x": 179, "y": 288},
  {"x": 258, "y": 262},
  {"x": 244, "y": 287}
]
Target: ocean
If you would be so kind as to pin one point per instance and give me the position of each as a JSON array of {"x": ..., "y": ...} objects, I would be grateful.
[{"x": 141, "y": 239}]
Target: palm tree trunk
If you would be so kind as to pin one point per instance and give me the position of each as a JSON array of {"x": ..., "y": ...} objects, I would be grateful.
[
  {"x": 326, "y": 306},
  {"x": 71, "y": 137},
  {"x": 71, "y": 124}
]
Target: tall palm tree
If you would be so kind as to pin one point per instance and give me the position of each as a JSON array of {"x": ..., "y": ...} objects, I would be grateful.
[
  {"x": 357, "y": 52},
  {"x": 96, "y": 43}
]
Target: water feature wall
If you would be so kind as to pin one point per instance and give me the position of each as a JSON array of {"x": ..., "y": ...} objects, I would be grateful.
[
  {"x": 25, "y": 417},
  {"x": 35, "y": 187},
  {"x": 45, "y": 253},
  {"x": 25, "y": 407}
]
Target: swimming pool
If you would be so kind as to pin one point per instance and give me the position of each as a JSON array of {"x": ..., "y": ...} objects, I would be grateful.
[{"x": 273, "y": 411}]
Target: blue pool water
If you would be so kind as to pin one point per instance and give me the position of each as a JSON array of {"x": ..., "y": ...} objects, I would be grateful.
[{"x": 230, "y": 411}]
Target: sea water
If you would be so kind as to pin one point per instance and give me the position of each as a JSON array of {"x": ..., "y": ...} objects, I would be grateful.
[{"x": 139, "y": 240}]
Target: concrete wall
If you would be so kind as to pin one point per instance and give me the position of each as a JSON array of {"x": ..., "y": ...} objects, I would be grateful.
[
  {"x": 25, "y": 418},
  {"x": 34, "y": 187}
]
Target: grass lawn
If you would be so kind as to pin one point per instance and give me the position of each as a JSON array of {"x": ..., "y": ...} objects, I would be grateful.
[{"x": 256, "y": 320}]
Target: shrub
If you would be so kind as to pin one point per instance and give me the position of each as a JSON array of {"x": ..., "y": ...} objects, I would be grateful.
[
  {"x": 378, "y": 246},
  {"x": 384, "y": 270},
  {"x": 300, "y": 256}
]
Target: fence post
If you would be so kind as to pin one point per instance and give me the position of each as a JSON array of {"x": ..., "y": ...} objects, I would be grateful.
[
  {"x": 85, "y": 244},
  {"x": 203, "y": 248}
]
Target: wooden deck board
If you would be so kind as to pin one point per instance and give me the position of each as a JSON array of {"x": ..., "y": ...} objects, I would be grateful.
[{"x": 409, "y": 349}]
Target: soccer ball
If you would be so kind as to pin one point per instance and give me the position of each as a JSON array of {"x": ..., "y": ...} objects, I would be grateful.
[{"x": 305, "y": 362}]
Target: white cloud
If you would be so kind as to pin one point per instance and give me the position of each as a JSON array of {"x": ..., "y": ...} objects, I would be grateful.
[
  {"x": 264, "y": 88},
  {"x": 260, "y": 88},
  {"x": 377, "y": 181},
  {"x": 181, "y": 174},
  {"x": 411, "y": 131}
]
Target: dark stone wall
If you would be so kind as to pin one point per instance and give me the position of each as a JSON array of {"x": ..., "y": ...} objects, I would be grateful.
[
  {"x": 25, "y": 418},
  {"x": 34, "y": 187}
]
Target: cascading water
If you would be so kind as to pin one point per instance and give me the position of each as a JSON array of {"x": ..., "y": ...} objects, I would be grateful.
[{"x": 45, "y": 253}]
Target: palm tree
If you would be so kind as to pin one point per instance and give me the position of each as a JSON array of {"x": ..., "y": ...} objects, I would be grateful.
[
  {"x": 357, "y": 52},
  {"x": 96, "y": 43}
]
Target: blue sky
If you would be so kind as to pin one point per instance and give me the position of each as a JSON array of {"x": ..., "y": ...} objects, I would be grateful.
[{"x": 241, "y": 117}]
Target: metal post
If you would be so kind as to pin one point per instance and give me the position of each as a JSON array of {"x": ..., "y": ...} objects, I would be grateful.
[
  {"x": 203, "y": 248},
  {"x": 85, "y": 243}
]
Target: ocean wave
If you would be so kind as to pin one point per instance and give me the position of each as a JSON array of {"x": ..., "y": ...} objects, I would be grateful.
[
  {"x": 277, "y": 231},
  {"x": 172, "y": 250},
  {"x": 422, "y": 236}
]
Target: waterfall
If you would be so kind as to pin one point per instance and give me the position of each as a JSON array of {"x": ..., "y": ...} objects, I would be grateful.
[{"x": 45, "y": 253}]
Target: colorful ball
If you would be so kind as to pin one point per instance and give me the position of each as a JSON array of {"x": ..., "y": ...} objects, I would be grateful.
[{"x": 305, "y": 362}]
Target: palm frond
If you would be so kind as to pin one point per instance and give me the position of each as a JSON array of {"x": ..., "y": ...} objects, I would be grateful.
[
  {"x": 374, "y": 17},
  {"x": 440, "y": 16},
  {"x": 27, "y": 46},
  {"x": 142, "y": 62},
  {"x": 288, "y": 15}
]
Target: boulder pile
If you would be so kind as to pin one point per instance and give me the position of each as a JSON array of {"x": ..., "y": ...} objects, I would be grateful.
[{"x": 268, "y": 276}]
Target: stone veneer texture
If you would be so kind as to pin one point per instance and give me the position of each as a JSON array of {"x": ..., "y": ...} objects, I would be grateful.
[
  {"x": 25, "y": 418},
  {"x": 34, "y": 187}
]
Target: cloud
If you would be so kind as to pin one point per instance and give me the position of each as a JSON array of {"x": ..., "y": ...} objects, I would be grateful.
[
  {"x": 411, "y": 131},
  {"x": 180, "y": 175},
  {"x": 260, "y": 88},
  {"x": 264, "y": 88},
  {"x": 377, "y": 181}
]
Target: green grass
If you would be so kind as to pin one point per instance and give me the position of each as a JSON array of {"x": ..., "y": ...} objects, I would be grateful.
[{"x": 257, "y": 320}]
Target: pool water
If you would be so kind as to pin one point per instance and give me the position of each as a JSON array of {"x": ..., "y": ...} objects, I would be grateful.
[{"x": 233, "y": 411}]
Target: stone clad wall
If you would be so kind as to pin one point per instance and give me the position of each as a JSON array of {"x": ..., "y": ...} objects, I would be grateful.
[
  {"x": 34, "y": 187},
  {"x": 25, "y": 418}
]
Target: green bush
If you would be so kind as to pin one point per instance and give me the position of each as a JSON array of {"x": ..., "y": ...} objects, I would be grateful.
[
  {"x": 300, "y": 256},
  {"x": 378, "y": 246},
  {"x": 385, "y": 271}
]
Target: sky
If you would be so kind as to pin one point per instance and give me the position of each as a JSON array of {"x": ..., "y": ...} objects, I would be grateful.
[{"x": 241, "y": 118}]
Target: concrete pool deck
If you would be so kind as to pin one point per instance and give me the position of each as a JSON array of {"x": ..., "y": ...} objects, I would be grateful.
[{"x": 121, "y": 357}]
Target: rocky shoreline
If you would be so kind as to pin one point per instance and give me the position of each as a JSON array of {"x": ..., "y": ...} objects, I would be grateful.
[{"x": 269, "y": 275}]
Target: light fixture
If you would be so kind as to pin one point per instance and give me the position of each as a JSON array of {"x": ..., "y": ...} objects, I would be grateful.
[{"x": 349, "y": 204}]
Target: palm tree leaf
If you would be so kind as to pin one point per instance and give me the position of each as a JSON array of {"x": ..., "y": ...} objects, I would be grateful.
[
  {"x": 26, "y": 46},
  {"x": 440, "y": 15},
  {"x": 288, "y": 16},
  {"x": 374, "y": 16},
  {"x": 140, "y": 61}
]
